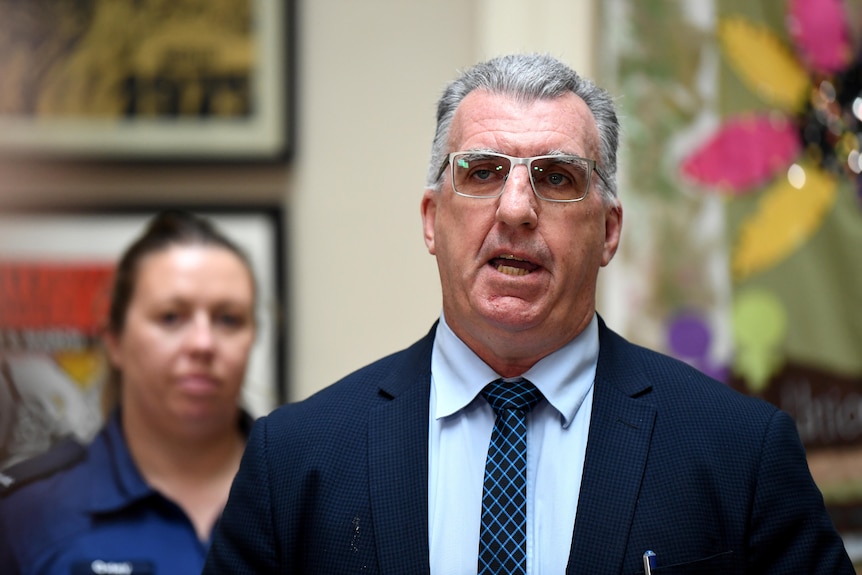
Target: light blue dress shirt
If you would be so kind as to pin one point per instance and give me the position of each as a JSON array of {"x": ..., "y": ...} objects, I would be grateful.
[{"x": 459, "y": 432}]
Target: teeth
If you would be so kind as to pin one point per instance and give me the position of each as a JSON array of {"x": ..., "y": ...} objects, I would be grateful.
[{"x": 512, "y": 271}]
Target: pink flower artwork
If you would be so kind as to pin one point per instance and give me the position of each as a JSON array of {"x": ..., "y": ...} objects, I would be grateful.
[
  {"x": 810, "y": 139},
  {"x": 819, "y": 31},
  {"x": 746, "y": 152}
]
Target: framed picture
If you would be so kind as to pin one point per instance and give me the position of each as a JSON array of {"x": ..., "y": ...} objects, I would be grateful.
[
  {"x": 55, "y": 278},
  {"x": 146, "y": 81}
]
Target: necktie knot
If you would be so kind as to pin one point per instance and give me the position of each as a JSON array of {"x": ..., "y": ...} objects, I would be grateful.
[{"x": 520, "y": 395}]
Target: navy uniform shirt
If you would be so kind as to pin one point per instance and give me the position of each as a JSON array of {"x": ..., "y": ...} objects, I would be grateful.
[{"x": 96, "y": 516}]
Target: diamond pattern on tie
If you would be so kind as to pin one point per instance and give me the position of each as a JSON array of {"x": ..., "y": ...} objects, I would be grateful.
[{"x": 503, "y": 534}]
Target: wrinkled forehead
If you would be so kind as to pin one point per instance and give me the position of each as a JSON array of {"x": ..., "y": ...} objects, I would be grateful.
[{"x": 517, "y": 126}]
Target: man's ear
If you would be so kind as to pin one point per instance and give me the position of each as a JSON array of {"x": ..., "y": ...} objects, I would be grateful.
[
  {"x": 613, "y": 230},
  {"x": 429, "y": 218}
]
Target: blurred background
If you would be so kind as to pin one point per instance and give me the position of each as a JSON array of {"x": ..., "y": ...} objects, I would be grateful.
[{"x": 313, "y": 121}]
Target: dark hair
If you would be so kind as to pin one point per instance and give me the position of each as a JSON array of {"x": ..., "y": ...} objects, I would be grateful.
[
  {"x": 166, "y": 229},
  {"x": 529, "y": 77}
]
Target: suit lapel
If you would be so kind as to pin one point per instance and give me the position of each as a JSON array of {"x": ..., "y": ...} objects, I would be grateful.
[
  {"x": 398, "y": 465},
  {"x": 617, "y": 449}
]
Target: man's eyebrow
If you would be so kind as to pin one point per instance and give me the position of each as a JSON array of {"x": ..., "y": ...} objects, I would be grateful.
[
  {"x": 482, "y": 151},
  {"x": 559, "y": 152}
]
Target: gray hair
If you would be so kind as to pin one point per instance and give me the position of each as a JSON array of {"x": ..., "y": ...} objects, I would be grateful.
[{"x": 529, "y": 77}]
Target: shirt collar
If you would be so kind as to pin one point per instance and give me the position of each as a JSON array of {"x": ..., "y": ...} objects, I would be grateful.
[{"x": 564, "y": 377}]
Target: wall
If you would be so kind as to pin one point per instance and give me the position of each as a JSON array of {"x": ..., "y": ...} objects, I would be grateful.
[
  {"x": 361, "y": 283},
  {"x": 364, "y": 284}
]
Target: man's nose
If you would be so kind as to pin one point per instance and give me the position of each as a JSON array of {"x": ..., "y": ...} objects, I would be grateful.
[{"x": 517, "y": 205}]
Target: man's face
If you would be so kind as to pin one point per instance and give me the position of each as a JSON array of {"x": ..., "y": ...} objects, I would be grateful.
[{"x": 510, "y": 318}]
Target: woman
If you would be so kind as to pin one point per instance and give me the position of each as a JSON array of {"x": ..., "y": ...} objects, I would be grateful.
[{"x": 145, "y": 495}]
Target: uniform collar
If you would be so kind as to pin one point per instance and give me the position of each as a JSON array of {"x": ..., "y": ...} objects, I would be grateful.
[{"x": 116, "y": 482}]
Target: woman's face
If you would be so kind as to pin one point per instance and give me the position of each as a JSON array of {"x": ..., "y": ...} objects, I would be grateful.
[{"x": 187, "y": 336}]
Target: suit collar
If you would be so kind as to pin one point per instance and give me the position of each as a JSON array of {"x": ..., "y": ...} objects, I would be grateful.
[
  {"x": 616, "y": 363},
  {"x": 617, "y": 448},
  {"x": 398, "y": 463}
]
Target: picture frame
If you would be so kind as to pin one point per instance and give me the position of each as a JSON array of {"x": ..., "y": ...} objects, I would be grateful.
[
  {"x": 178, "y": 82},
  {"x": 55, "y": 273}
]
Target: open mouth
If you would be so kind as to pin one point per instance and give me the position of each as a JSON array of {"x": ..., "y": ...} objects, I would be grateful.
[{"x": 513, "y": 266}]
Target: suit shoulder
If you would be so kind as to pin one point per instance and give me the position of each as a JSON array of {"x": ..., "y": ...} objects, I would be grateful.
[
  {"x": 352, "y": 399},
  {"x": 674, "y": 384},
  {"x": 393, "y": 373},
  {"x": 62, "y": 456}
]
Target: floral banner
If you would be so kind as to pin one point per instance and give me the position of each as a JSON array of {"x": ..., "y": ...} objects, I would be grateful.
[{"x": 740, "y": 177}]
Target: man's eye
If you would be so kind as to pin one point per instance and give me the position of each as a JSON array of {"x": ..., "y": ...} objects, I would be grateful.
[
  {"x": 485, "y": 171},
  {"x": 557, "y": 179}
]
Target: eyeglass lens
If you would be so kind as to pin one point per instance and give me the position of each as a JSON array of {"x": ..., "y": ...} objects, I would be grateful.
[{"x": 556, "y": 178}]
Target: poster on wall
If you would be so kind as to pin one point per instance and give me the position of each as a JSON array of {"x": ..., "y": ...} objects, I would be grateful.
[
  {"x": 145, "y": 80},
  {"x": 740, "y": 171},
  {"x": 55, "y": 279}
]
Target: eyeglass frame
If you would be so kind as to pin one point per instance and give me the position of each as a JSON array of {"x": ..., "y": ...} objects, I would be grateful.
[{"x": 516, "y": 161}]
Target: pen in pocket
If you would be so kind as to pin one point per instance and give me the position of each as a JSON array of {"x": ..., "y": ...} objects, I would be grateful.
[{"x": 650, "y": 562}]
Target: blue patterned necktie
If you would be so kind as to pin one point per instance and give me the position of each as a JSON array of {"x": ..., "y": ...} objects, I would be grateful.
[{"x": 503, "y": 534}]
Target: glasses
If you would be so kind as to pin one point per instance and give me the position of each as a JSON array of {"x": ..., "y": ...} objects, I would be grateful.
[{"x": 555, "y": 178}]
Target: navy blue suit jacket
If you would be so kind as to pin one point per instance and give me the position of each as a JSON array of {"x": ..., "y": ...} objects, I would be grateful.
[{"x": 711, "y": 480}]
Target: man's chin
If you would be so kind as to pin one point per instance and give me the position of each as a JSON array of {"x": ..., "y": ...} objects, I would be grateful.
[{"x": 509, "y": 313}]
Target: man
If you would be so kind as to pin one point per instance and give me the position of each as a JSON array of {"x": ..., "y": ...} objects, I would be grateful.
[{"x": 627, "y": 451}]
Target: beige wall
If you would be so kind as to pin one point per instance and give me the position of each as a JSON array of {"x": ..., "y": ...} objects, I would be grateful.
[
  {"x": 361, "y": 282},
  {"x": 364, "y": 285}
]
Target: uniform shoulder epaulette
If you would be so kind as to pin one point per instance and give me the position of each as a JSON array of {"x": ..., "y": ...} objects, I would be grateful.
[{"x": 61, "y": 456}]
